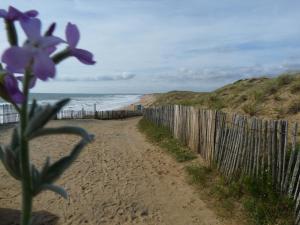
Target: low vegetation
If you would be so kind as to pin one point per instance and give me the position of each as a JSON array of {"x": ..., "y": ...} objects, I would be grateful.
[
  {"x": 294, "y": 106},
  {"x": 162, "y": 137},
  {"x": 256, "y": 197},
  {"x": 261, "y": 97},
  {"x": 249, "y": 201}
]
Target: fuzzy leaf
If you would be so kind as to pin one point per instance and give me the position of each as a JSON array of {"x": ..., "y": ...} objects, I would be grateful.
[
  {"x": 1, "y": 153},
  {"x": 11, "y": 162},
  {"x": 57, "y": 189},
  {"x": 56, "y": 169},
  {"x": 43, "y": 115},
  {"x": 36, "y": 180},
  {"x": 33, "y": 109},
  {"x": 63, "y": 130},
  {"x": 14, "y": 144}
]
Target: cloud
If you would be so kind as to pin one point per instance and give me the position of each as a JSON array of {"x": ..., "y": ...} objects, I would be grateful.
[
  {"x": 123, "y": 76},
  {"x": 213, "y": 42},
  {"x": 226, "y": 74},
  {"x": 118, "y": 77}
]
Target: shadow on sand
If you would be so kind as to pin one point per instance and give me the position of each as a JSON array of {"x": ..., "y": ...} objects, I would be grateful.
[{"x": 12, "y": 217}]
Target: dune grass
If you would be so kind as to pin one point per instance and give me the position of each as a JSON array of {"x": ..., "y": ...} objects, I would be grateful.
[
  {"x": 249, "y": 200},
  {"x": 162, "y": 137},
  {"x": 270, "y": 97},
  {"x": 260, "y": 202}
]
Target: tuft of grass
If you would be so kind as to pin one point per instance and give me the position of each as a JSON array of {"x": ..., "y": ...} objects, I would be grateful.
[
  {"x": 270, "y": 87},
  {"x": 218, "y": 192},
  {"x": 261, "y": 202},
  {"x": 258, "y": 96},
  {"x": 280, "y": 112},
  {"x": 251, "y": 108},
  {"x": 295, "y": 88},
  {"x": 215, "y": 102},
  {"x": 277, "y": 98},
  {"x": 294, "y": 107},
  {"x": 285, "y": 79},
  {"x": 264, "y": 205},
  {"x": 164, "y": 139},
  {"x": 199, "y": 174}
]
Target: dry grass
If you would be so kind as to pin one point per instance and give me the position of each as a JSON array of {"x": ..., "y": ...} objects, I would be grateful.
[{"x": 262, "y": 97}]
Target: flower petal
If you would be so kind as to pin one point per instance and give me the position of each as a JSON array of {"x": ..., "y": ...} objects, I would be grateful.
[
  {"x": 72, "y": 35},
  {"x": 31, "y": 13},
  {"x": 50, "y": 41},
  {"x": 13, "y": 13},
  {"x": 32, "y": 28},
  {"x": 83, "y": 56},
  {"x": 11, "y": 86},
  {"x": 50, "y": 50},
  {"x": 43, "y": 66},
  {"x": 16, "y": 58},
  {"x": 3, "y": 13},
  {"x": 32, "y": 82}
]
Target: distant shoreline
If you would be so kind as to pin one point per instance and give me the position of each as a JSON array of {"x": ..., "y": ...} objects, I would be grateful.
[{"x": 146, "y": 100}]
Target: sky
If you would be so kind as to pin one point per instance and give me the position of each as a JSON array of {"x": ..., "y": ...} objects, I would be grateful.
[{"x": 145, "y": 46}]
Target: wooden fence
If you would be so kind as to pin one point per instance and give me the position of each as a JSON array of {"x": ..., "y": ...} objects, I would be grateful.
[
  {"x": 237, "y": 145},
  {"x": 100, "y": 115},
  {"x": 9, "y": 115}
]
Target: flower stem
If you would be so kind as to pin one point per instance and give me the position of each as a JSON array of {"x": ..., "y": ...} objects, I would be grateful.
[
  {"x": 25, "y": 159},
  {"x": 11, "y": 33}
]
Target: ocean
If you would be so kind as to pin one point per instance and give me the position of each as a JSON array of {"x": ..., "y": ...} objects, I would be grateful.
[{"x": 87, "y": 101}]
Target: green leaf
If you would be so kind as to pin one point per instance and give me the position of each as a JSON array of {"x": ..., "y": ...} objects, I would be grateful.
[
  {"x": 1, "y": 153},
  {"x": 11, "y": 162},
  {"x": 57, "y": 189},
  {"x": 63, "y": 130},
  {"x": 35, "y": 180},
  {"x": 53, "y": 172},
  {"x": 33, "y": 109},
  {"x": 14, "y": 144},
  {"x": 43, "y": 115}
]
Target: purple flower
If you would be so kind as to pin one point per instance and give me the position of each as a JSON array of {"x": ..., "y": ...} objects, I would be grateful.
[
  {"x": 35, "y": 52},
  {"x": 9, "y": 88},
  {"x": 14, "y": 14},
  {"x": 73, "y": 36}
]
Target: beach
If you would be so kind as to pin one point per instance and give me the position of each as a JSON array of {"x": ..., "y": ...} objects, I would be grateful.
[
  {"x": 145, "y": 100},
  {"x": 119, "y": 179}
]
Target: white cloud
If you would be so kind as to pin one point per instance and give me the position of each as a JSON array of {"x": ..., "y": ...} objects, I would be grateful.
[{"x": 153, "y": 39}]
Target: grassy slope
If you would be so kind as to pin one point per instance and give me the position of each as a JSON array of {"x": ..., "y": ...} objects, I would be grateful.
[{"x": 277, "y": 97}]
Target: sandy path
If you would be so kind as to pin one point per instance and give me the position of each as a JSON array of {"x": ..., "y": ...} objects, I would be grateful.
[{"x": 119, "y": 179}]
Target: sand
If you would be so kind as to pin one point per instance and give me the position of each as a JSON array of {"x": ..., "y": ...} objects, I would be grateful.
[
  {"x": 119, "y": 179},
  {"x": 146, "y": 100}
]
